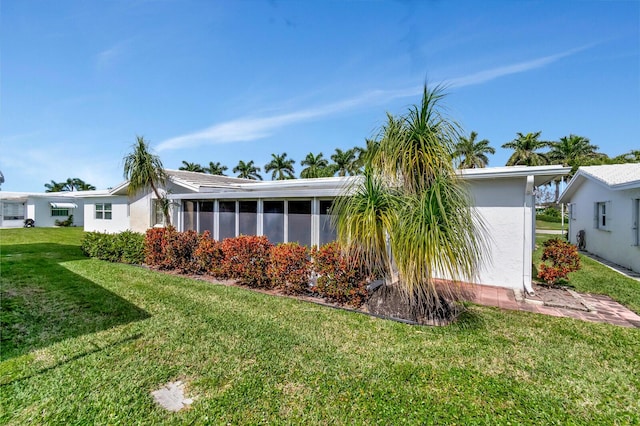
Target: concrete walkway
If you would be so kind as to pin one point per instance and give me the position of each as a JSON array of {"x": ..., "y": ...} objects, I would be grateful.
[
  {"x": 619, "y": 269},
  {"x": 604, "y": 309}
]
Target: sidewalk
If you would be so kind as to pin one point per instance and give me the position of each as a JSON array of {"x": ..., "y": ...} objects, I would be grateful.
[{"x": 604, "y": 309}]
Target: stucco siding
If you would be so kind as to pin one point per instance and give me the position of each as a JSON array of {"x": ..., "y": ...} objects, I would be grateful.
[
  {"x": 500, "y": 204},
  {"x": 119, "y": 217},
  {"x": 617, "y": 242}
]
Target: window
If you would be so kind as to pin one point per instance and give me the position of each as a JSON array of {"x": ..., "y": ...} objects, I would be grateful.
[
  {"x": 103, "y": 211},
  {"x": 59, "y": 212},
  {"x": 602, "y": 216},
  {"x": 158, "y": 214},
  {"x": 12, "y": 211}
]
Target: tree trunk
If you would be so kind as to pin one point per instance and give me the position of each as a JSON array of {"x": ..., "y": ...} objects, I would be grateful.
[{"x": 164, "y": 205}]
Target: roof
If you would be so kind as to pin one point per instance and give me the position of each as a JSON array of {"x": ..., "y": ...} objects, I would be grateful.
[
  {"x": 203, "y": 179},
  {"x": 194, "y": 181},
  {"x": 334, "y": 186},
  {"x": 66, "y": 195},
  {"x": 615, "y": 177},
  {"x": 541, "y": 174}
]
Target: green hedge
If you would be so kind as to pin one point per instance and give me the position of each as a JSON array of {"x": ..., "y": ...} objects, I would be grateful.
[
  {"x": 547, "y": 218},
  {"x": 125, "y": 247}
]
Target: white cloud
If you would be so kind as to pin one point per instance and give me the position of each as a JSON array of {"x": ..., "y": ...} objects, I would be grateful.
[
  {"x": 520, "y": 67},
  {"x": 253, "y": 128}
]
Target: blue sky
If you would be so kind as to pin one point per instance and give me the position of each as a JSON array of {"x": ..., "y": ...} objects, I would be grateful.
[{"x": 238, "y": 80}]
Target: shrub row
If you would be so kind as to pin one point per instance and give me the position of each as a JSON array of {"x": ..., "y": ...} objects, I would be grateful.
[
  {"x": 254, "y": 261},
  {"x": 547, "y": 218},
  {"x": 125, "y": 247},
  {"x": 564, "y": 258}
]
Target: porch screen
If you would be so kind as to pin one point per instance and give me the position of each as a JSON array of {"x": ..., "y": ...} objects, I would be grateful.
[
  {"x": 248, "y": 217},
  {"x": 273, "y": 220},
  {"x": 189, "y": 209},
  {"x": 227, "y": 225},
  {"x": 299, "y": 228},
  {"x": 327, "y": 230},
  {"x": 205, "y": 216}
]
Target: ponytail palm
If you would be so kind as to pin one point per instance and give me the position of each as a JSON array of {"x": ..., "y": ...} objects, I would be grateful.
[
  {"x": 363, "y": 219},
  {"x": 412, "y": 194}
]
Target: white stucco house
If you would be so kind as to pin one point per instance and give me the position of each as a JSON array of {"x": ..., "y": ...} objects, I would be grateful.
[
  {"x": 604, "y": 203},
  {"x": 43, "y": 207},
  {"x": 297, "y": 210}
]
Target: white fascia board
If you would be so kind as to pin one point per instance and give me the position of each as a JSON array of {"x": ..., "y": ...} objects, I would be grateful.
[
  {"x": 626, "y": 185},
  {"x": 124, "y": 185},
  {"x": 246, "y": 195},
  {"x": 317, "y": 183}
]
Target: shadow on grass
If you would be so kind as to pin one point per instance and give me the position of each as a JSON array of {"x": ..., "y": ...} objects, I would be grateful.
[{"x": 42, "y": 302}]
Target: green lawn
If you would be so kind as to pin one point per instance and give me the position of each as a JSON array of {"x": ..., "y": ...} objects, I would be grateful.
[
  {"x": 89, "y": 340},
  {"x": 543, "y": 224}
]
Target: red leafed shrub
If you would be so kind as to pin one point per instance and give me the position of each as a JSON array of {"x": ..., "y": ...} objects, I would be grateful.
[
  {"x": 564, "y": 258},
  {"x": 208, "y": 255},
  {"x": 155, "y": 246},
  {"x": 166, "y": 248},
  {"x": 246, "y": 258},
  {"x": 290, "y": 267},
  {"x": 180, "y": 250},
  {"x": 341, "y": 279}
]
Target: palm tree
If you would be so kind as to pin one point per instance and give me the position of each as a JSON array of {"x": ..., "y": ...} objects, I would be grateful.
[
  {"x": 574, "y": 151},
  {"x": 318, "y": 166},
  {"x": 281, "y": 167},
  {"x": 191, "y": 167},
  {"x": 54, "y": 186},
  {"x": 416, "y": 199},
  {"x": 71, "y": 184},
  {"x": 364, "y": 154},
  {"x": 525, "y": 147},
  {"x": 247, "y": 170},
  {"x": 472, "y": 154},
  {"x": 77, "y": 184},
  {"x": 345, "y": 162},
  {"x": 144, "y": 170},
  {"x": 216, "y": 169}
]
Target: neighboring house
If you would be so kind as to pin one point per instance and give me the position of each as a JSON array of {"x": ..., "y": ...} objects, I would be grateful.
[
  {"x": 44, "y": 208},
  {"x": 604, "y": 202},
  {"x": 298, "y": 210}
]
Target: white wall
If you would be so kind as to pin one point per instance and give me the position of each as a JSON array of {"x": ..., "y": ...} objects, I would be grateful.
[
  {"x": 39, "y": 209},
  {"x": 119, "y": 217},
  {"x": 500, "y": 202},
  {"x": 615, "y": 244}
]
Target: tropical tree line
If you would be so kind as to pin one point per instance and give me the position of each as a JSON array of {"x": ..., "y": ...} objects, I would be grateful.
[
  {"x": 467, "y": 153},
  {"x": 71, "y": 184}
]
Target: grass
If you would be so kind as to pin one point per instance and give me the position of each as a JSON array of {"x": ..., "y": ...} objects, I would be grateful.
[
  {"x": 593, "y": 277},
  {"x": 118, "y": 332},
  {"x": 542, "y": 224}
]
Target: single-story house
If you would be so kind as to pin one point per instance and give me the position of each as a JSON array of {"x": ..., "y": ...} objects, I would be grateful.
[
  {"x": 44, "y": 208},
  {"x": 298, "y": 210},
  {"x": 604, "y": 207}
]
